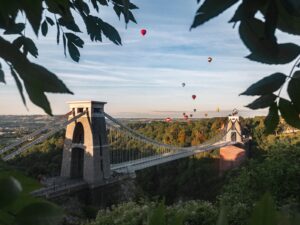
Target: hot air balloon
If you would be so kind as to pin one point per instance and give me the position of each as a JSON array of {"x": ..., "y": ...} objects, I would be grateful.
[
  {"x": 209, "y": 59},
  {"x": 191, "y": 115},
  {"x": 143, "y": 32},
  {"x": 186, "y": 117},
  {"x": 183, "y": 114},
  {"x": 183, "y": 84},
  {"x": 168, "y": 120},
  {"x": 194, "y": 97},
  {"x": 195, "y": 110},
  {"x": 205, "y": 114},
  {"x": 218, "y": 109}
]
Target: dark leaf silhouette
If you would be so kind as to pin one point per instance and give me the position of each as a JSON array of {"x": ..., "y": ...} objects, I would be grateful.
[
  {"x": 289, "y": 113},
  {"x": 272, "y": 119},
  {"x": 210, "y": 9},
  {"x": 266, "y": 85},
  {"x": 294, "y": 90},
  {"x": 262, "y": 102}
]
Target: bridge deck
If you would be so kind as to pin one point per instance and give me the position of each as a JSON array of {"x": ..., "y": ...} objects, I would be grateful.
[{"x": 135, "y": 165}]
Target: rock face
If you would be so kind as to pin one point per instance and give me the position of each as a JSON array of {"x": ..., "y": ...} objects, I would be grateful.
[
  {"x": 231, "y": 157},
  {"x": 74, "y": 214},
  {"x": 106, "y": 196}
]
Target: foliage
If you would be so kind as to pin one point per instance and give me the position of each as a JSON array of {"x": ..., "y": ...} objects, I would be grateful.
[
  {"x": 278, "y": 174},
  {"x": 183, "y": 179},
  {"x": 42, "y": 15},
  {"x": 43, "y": 159},
  {"x": 131, "y": 213},
  {"x": 17, "y": 207},
  {"x": 264, "y": 212},
  {"x": 259, "y": 36}
]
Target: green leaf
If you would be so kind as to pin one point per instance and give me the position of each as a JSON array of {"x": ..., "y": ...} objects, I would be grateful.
[
  {"x": 65, "y": 44},
  {"x": 73, "y": 52},
  {"x": 262, "y": 102},
  {"x": 264, "y": 213},
  {"x": 93, "y": 28},
  {"x": 49, "y": 20},
  {"x": 61, "y": 7},
  {"x": 288, "y": 17},
  {"x": 38, "y": 97},
  {"x": 210, "y": 9},
  {"x": 267, "y": 85},
  {"x": 30, "y": 47},
  {"x": 294, "y": 90},
  {"x": 41, "y": 213},
  {"x": 10, "y": 190},
  {"x": 247, "y": 10},
  {"x": 295, "y": 220},
  {"x": 15, "y": 28},
  {"x": 44, "y": 28},
  {"x": 74, "y": 39},
  {"x": 19, "y": 84},
  {"x": 157, "y": 215},
  {"x": 95, "y": 5},
  {"x": 103, "y": 2},
  {"x": 289, "y": 113},
  {"x": 58, "y": 33},
  {"x": 127, "y": 15},
  {"x": 272, "y": 119},
  {"x": 271, "y": 18},
  {"x": 222, "y": 219},
  {"x": 177, "y": 219},
  {"x": 264, "y": 50},
  {"x": 82, "y": 7},
  {"x": 38, "y": 80},
  {"x": 70, "y": 24},
  {"x": 110, "y": 32},
  {"x": 33, "y": 10},
  {"x": 2, "y": 76}
]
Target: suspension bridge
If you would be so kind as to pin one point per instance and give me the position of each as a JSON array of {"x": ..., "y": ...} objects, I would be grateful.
[{"x": 89, "y": 160}]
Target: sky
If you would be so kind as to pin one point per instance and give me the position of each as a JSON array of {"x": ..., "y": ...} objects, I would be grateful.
[{"x": 143, "y": 77}]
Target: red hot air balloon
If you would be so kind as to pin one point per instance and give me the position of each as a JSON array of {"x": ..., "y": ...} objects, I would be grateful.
[
  {"x": 183, "y": 114},
  {"x": 194, "y": 97},
  {"x": 143, "y": 32},
  {"x": 168, "y": 120},
  {"x": 209, "y": 59}
]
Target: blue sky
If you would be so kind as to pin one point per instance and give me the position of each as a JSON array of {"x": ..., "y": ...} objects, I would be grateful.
[{"x": 143, "y": 77}]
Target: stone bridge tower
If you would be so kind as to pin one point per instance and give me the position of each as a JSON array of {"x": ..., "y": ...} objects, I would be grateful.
[
  {"x": 232, "y": 156},
  {"x": 86, "y": 152},
  {"x": 234, "y": 131}
]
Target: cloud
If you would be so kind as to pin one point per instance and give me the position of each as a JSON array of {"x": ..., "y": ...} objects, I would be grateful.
[{"x": 145, "y": 74}]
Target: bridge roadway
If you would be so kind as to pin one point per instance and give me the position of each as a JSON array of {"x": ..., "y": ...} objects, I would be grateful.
[
  {"x": 124, "y": 170},
  {"x": 139, "y": 164}
]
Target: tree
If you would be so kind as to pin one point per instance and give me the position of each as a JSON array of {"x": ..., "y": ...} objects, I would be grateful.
[
  {"x": 41, "y": 15},
  {"x": 259, "y": 37}
]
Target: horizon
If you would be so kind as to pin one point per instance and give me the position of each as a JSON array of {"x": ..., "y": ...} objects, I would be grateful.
[{"x": 173, "y": 115}]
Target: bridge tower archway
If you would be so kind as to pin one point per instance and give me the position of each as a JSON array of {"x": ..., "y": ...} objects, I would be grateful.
[
  {"x": 86, "y": 153},
  {"x": 234, "y": 130}
]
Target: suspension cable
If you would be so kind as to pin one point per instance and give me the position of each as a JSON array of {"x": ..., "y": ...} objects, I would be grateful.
[
  {"x": 35, "y": 133},
  {"x": 41, "y": 138}
]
